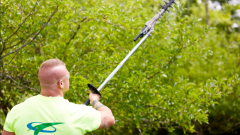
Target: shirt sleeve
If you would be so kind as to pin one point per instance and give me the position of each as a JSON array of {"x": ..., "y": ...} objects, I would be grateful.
[
  {"x": 9, "y": 123},
  {"x": 85, "y": 118}
]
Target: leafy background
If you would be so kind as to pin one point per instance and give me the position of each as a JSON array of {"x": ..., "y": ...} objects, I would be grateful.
[{"x": 184, "y": 79}]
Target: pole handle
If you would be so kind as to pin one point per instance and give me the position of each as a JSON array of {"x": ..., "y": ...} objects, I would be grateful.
[
  {"x": 94, "y": 90},
  {"x": 138, "y": 36}
]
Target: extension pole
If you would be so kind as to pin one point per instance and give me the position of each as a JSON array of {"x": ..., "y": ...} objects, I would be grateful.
[
  {"x": 117, "y": 68},
  {"x": 124, "y": 60}
]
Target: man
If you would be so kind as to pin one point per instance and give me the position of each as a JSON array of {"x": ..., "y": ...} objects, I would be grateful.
[{"x": 50, "y": 114}]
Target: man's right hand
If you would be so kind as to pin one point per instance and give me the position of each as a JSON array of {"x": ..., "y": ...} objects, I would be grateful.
[{"x": 93, "y": 97}]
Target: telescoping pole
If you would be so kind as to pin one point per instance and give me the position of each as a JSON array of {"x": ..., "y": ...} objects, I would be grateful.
[
  {"x": 147, "y": 30},
  {"x": 123, "y": 61},
  {"x": 118, "y": 67}
]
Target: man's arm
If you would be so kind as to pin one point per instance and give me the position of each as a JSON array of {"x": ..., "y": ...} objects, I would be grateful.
[
  {"x": 107, "y": 118},
  {"x": 7, "y": 133}
]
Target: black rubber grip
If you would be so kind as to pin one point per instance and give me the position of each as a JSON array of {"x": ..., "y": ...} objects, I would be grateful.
[{"x": 139, "y": 35}]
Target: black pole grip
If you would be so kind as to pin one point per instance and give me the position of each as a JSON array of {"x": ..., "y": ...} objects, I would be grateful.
[
  {"x": 139, "y": 35},
  {"x": 94, "y": 90}
]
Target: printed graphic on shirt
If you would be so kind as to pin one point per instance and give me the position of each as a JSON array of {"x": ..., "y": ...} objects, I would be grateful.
[{"x": 41, "y": 126}]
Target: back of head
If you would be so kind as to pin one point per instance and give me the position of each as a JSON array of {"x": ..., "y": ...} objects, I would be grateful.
[{"x": 51, "y": 70}]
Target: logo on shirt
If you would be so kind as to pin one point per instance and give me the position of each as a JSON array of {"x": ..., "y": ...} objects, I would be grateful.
[{"x": 41, "y": 126}]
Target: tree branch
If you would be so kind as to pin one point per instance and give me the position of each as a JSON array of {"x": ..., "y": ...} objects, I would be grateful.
[
  {"x": 19, "y": 42},
  {"x": 140, "y": 131},
  {"x": 4, "y": 42},
  {"x": 207, "y": 13},
  {"x": 31, "y": 12},
  {"x": 21, "y": 84},
  {"x": 75, "y": 33},
  {"x": 13, "y": 57},
  {"x": 168, "y": 64},
  {"x": 34, "y": 35}
]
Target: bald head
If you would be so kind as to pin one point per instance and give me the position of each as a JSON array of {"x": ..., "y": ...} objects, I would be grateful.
[{"x": 51, "y": 71}]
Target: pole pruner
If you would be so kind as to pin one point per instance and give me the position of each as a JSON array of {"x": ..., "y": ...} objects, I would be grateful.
[{"x": 147, "y": 30}]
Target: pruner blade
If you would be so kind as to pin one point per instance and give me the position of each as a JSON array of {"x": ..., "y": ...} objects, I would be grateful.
[{"x": 150, "y": 24}]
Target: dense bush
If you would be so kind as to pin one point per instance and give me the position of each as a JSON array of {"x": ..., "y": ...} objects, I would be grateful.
[{"x": 185, "y": 75}]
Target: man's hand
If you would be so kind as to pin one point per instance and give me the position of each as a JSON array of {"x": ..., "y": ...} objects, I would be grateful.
[{"x": 93, "y": 97}]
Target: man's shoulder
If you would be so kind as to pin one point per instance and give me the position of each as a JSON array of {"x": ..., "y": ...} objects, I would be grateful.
[
  {"x": 78, "y": 108},
  {"x": 30, "y": 99},
  {"x": 20, "y": 105}
]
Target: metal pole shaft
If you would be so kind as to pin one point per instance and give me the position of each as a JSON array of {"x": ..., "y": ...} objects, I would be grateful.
[{"x": 124, "y": 60}]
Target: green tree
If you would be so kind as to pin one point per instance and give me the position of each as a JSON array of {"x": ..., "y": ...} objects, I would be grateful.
[
  {"x": 172, "y": 81},
  {"x": 223, "y": 42}
]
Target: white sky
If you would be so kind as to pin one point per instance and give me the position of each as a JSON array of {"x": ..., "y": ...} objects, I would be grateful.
[
  {"x": 234, "y": 2},
  {"x": 215, "y": 5},
  {"x": 237, "y": 13},
  {"x": 235, "y": 25}
]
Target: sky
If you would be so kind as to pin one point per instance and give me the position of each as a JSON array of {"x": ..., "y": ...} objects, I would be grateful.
[{"x": 215, "y": 5}]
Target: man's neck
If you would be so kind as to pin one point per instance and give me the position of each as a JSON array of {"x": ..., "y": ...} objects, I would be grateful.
[{"x": 51, "y": 93}]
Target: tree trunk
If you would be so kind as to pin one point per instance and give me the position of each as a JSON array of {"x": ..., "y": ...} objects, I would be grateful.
[{"x": 207, "y": 12}]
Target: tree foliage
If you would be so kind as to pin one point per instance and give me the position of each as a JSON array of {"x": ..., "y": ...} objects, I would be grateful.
[{"x": 182, "y": 76}]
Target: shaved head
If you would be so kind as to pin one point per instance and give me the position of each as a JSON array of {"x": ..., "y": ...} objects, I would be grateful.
[{"x": 51, "y": 71}]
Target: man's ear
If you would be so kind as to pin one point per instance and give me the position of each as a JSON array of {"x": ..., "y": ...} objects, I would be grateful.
[{"x": 61, "y": 84}]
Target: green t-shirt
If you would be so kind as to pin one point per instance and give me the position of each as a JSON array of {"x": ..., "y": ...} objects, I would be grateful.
[{"x": 40, "y": 115}]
